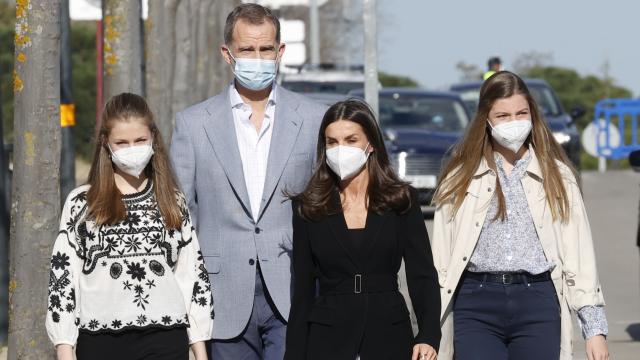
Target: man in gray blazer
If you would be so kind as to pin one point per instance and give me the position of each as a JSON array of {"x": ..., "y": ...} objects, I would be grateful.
[{"x": 236, "y": 155}]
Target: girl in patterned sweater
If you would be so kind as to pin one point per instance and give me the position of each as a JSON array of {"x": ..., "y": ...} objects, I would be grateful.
[{"x": 127, "y": 277}]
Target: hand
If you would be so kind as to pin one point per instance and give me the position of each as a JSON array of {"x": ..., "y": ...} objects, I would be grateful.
[
  {"x": 64, "y": 352},
  {"x": 427, "y": 352},
  {"x": 597, "y": 348}
]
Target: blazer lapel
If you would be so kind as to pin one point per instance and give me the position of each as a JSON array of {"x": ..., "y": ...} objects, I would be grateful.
[
  {"x": 221, "y": 133},
  {"x": 372, "y": 230},
  {"x": 286, "y": 126}
]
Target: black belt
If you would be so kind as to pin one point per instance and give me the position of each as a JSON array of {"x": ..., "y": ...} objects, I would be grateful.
[
  {"x": 359, "y": 284},
  {"x": 508, "y": 278}
]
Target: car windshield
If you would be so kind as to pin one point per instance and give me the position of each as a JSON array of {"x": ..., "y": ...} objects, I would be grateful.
[
  {"x": 432, "y": 113},
  {"x": 541, "y": 94},
  {"x": 336, "y": 87}
]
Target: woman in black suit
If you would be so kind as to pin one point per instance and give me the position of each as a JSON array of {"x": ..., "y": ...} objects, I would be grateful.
[{"x": 352, "y": 226}]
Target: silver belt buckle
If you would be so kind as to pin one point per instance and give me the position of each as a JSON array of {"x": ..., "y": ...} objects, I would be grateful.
[
  {"x": 357, "y": 284},
  {"x": 507, "y": 279}
]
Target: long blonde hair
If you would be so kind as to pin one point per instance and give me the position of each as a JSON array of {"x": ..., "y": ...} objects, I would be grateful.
[
  {"x": 477, "y": 143},
  {"x": 103, "y": 198}
]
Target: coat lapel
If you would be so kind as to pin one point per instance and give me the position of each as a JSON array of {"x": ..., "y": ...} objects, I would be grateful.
[
  {"x": 286, "y": 126},
  {"x": 338, "y": 225},
  {"x": 221, "y": 133},
  {"x": 373, "y": 225},
  {"x": 372, "y": 230}
]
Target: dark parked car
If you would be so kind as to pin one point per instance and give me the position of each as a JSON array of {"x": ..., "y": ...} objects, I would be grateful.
[
  {"x": 420, "y": 127},
  {"x": 561, "y": 123}
]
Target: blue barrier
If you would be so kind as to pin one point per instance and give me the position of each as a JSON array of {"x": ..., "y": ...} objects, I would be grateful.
[{"x": 623, "y": 115}]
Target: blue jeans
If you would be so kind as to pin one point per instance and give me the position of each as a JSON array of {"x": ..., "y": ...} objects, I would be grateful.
[
  {"x": 506, "y": 322},
  {"x": 262, "y": 339}
]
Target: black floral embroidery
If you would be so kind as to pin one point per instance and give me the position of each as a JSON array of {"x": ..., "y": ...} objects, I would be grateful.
[
  {"x": 140, "y": 248},
  {"x": 156, "y": 268},
  {"x": 116, "y": 270},
  {"x": 60, "y": 261},
  {"x": 54, "y": 302},
  {"x": 142, "y": 319},
  {"x": 136, "y": 271},
  {"x": 132, "y": 219},
  {"x": 133, "y": 244},
  {"x": 150, "y": 283}
]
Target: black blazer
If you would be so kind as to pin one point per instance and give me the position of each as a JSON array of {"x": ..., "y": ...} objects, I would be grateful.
[{"x": 333, "y": 321}]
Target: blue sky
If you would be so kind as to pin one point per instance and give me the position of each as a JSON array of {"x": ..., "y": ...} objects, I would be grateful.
[{"x": 424, "y": 39}]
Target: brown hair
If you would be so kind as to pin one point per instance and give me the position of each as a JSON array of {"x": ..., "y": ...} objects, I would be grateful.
[
  {"x": 385, "y": 191},
  {"x": 254, "y": 14},
  {"x": 478, "y": 143},
  {"x": 103, "y": 198}
]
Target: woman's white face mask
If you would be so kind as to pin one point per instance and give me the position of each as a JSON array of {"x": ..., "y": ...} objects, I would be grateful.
[
  {"x": 346, "y": 161},
  {"x": 132, "y": 160},
  {"x": 512, "y": 134}
]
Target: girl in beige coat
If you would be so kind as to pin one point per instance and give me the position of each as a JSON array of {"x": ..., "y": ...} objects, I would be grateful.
[{"x": 512, "y": 243}]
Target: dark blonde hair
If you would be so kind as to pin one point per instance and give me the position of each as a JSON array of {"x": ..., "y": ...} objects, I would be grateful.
[
  {"x": 103, "y": 197},
  {"x": 478, "y": 143}
]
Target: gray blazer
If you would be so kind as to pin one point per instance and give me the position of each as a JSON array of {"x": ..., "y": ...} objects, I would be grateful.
[{"x": 206, "y": 159}]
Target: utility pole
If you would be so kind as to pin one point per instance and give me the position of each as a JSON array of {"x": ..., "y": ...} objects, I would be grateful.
[
  {"x": 314, "y": 29},
  {"x": 67, "y": 107},
  {"x": 370, "y": 55}
]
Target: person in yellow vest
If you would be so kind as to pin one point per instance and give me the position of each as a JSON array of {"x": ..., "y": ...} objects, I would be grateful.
[{"x": 494, "y": 65}]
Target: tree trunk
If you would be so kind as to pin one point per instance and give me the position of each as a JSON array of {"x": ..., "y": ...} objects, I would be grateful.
[
  {"x": 122, "y": 47},
  {"x": 183, "y": 63},
  {"x": 223, "y": 73},
  {"x": 35, "y": 201},
  {"x": 183, "y": 83},
  {"x": 161, "y": 52}
]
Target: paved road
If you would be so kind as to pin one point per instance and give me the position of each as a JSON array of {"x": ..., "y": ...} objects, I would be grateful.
[{"x": 612, "y": 204}]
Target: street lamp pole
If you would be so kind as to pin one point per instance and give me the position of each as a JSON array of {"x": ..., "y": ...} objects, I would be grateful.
[
  {"x": 314, "y": 30},
  {"x": 370, "y": 55}
]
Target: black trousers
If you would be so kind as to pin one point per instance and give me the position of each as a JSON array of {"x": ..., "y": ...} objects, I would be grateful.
[
  {"x": 148, "y": 344},
  {"x": 506, "y": 322}
]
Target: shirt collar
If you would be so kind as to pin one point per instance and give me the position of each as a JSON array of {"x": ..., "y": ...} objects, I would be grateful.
[
  {"x": 236, "y": 99},
  {"x": 533, "y": 166},
  {"x": 519, "y": 167}
]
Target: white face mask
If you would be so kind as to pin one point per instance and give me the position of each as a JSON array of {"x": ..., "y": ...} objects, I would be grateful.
[
  {"x": 511, "y": 134},
  {"x": 132, "y": 160},
  {"x": 346, "y": 161}
]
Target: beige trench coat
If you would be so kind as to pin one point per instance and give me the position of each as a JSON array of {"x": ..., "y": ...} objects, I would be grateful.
[{"x": 567, "y": 244}]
